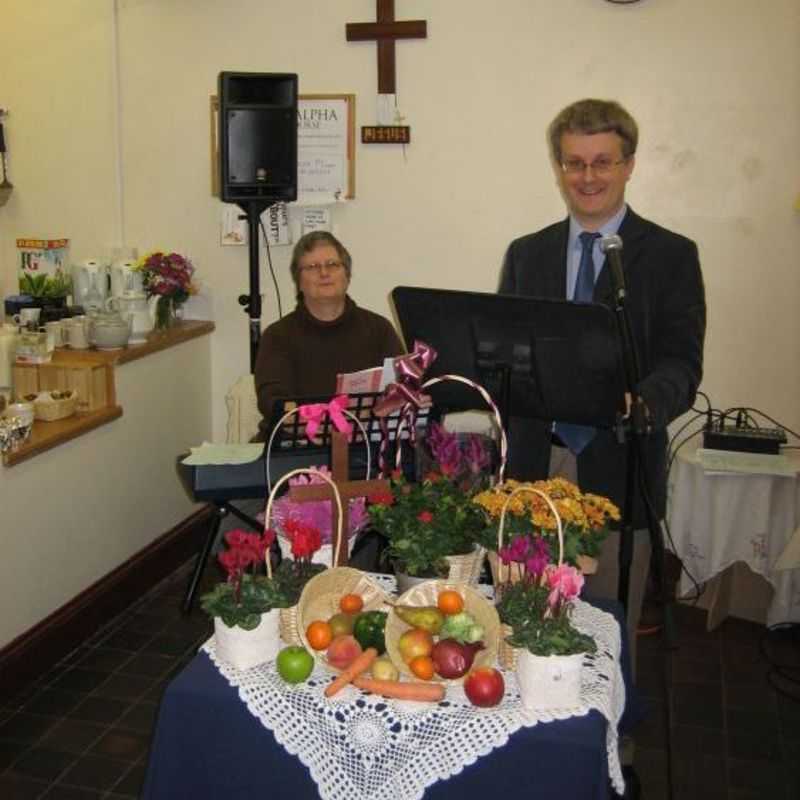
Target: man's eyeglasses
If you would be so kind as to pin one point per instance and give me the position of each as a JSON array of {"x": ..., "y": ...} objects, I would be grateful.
[
  {"x": 600, "y": 166},
  {"x": 332, "y": 265}
]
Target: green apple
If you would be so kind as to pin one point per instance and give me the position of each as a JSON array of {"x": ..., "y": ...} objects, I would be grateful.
[{"x": 294, "y": 664}]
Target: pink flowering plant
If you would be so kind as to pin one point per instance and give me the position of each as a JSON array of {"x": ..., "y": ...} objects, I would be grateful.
[
  {"x": 248, "y": 592},
  {"x": 537, "y": 606},
  {"x": 287, "y": 513}
]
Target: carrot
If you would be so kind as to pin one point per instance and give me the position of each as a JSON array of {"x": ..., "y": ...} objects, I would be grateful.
[
  {"x": 403, "y": 690},
  {"x": 361, "y": 663}
]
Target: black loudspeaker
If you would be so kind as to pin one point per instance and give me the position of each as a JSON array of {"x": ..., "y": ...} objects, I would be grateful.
[{"x": 258, "y": 137}]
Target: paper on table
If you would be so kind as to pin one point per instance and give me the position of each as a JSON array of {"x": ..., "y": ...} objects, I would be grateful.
[
  {"x": 746, "y": 463},
  {"x": 210, "y": 453}
]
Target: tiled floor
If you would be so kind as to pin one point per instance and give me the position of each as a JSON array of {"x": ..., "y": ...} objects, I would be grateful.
[{"x": 83, "y": 731}]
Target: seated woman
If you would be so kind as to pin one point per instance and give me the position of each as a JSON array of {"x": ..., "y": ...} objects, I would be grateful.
[{"x": 325, "y": 335}]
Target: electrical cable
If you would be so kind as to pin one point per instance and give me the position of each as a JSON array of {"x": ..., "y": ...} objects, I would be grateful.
[{"x": 271, "y": 270}]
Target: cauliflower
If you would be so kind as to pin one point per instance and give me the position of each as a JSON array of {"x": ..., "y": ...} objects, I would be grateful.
[{"x": 461, "y": 627}]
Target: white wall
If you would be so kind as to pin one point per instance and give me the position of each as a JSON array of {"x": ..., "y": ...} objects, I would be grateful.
[
  {"x": 73, "y": 514},
  {"x": 714, "y": 86}
]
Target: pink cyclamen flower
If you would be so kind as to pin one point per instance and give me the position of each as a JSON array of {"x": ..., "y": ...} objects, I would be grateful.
[{"x": 566, "y": 580}]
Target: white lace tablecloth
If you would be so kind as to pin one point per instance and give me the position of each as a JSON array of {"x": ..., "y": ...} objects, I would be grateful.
[{"x": 358, "y": 745}]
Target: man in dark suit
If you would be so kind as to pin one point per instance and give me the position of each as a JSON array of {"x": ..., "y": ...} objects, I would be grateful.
[{"x": 593, "y": 146}]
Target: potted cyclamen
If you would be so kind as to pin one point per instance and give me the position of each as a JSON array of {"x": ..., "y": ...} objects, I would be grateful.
[
  {"x": 432, "y": 526},
  {"x": 246, "y": 607},
  {"x": 535, "y": 610}
]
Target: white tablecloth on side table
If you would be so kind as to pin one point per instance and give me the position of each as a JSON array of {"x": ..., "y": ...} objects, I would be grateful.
[{"x": 717, "y": 519}]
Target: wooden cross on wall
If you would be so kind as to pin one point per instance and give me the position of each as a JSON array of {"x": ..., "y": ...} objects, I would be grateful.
[
  {"x": 385, "y": 31},
  {"x": 348, "y": 490}
]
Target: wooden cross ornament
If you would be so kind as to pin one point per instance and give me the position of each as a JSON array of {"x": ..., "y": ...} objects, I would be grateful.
[
  {"x": 385, "y": 31},
  {"x": 348, "y": 490}
]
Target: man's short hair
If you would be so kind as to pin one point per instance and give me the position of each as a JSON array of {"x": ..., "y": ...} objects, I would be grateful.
[
  {"x": 594, "y": 116},
  {"x": 305, "y": 244}
]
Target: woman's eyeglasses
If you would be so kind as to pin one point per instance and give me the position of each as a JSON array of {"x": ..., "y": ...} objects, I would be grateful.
[{"x": 332, "y": 265}]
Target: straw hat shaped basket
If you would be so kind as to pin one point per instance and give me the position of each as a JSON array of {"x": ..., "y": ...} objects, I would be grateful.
[
  {"x": 506, "y": 653},
  {"x": 320, "y": 600},
  {"x": 426, "y": 594},
  {"x": 467, "y": 567}
]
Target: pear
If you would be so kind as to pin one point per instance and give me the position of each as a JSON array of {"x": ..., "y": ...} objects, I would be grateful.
[{"x": 429, "y": 618}]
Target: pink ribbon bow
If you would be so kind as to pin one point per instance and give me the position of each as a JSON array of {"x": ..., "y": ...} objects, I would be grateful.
[
  {"x": 314, "y": 413},
  {"x": 406, "y": 393},
  {"x": 409, "y": 370}
]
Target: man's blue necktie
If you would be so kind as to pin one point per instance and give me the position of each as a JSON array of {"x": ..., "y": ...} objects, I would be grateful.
[{"x": 576, "y": 437}]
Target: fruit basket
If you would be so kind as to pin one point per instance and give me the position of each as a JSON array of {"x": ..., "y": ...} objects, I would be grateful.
[
  {"x": 426, "y": 594},
  {"x": 320, "y": 601}
]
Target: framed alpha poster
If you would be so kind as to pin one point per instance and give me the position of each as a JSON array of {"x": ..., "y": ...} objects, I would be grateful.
[{"x": 325, "y": 148}]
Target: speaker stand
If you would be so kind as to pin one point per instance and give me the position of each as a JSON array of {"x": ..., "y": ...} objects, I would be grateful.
[{"x": 251, "y": 302}]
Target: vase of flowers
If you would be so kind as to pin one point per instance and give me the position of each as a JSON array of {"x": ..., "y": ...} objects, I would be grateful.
[
  {"x": 586, "y": 519},
  {"x": 288, "y": 514},
  {"x": 535, "y": 607},
  {"x": 168, "y": 282}
]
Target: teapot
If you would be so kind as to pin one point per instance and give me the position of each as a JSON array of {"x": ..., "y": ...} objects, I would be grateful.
[
  {"x": 109, "y": 330},
  {"x": 139, "y": 310}
]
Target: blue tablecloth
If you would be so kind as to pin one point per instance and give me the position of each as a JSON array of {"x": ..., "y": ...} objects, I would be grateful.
[{"x": 208, "y": 745}]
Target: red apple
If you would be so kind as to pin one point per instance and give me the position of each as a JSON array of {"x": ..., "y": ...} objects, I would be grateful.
[{"x": 484, "y": 686}]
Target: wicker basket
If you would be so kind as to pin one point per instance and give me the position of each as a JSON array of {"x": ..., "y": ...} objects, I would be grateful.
[
  {"x": 507, "y": 654},
  {"x": 48, "y": 408},
  {"x": 320, "y": 600},
  {"x": 466, "y": 568},
  {"x": 425, "y": 594},
  {"x": 289, "y": 628}
]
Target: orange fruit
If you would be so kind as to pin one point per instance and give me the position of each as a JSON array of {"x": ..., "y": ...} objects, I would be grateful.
[
  {"x": 351, "y": 603},
  {"x": 422, "y": 667},
  {"x": 319, "y": 634},
  {"x": 450, "y": 602}
]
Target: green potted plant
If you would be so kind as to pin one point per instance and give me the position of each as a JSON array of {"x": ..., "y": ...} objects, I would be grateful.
[
  {"x": 586, "y": 519},
  {"x": 246, "y": 607},
  {"x": 432, "y": 526}
]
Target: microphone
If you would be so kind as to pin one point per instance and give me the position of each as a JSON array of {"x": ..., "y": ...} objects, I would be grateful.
[{"x": 611, "y": 246}]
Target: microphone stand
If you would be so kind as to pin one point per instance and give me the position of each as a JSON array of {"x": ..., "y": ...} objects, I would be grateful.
[
  {"x": 633, "y": 433},
  {"x": 251, "y": 302}
]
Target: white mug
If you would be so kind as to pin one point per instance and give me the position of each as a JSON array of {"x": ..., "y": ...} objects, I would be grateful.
[
  {"x": 56, "y": 333},
  {"x": 26, "y": 316},
  {"x": 77, "y": 334}
]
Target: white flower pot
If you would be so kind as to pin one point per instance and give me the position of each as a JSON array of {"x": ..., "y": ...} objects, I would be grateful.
[
  {"x": 244, "y": 649},
  {"x": 322, "y": 556},
  {"x": 547, "y": 682}
]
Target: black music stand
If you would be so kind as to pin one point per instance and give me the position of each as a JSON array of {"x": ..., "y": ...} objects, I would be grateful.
[{"x": 540, "y": 360}]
